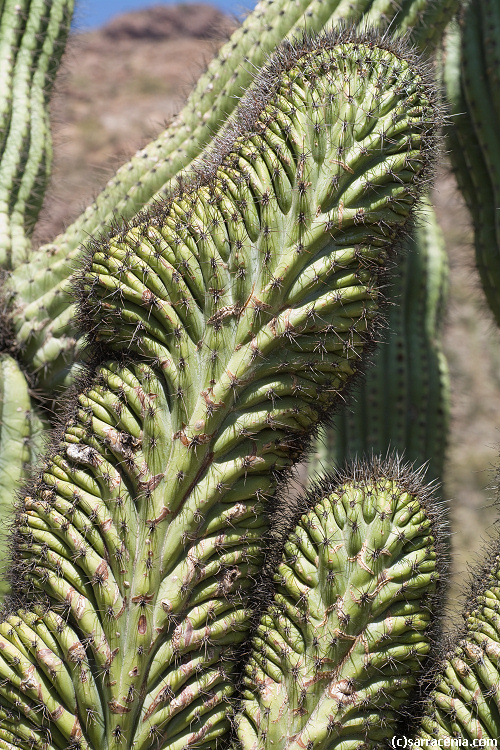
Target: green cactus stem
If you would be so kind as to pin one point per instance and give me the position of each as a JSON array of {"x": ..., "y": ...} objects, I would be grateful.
[
  {"x": 146, "y": 524},
  {"x": 340, "y": 646},
  {"x": 275, "y": 244},
  {"x": 33, "y": 35},
  {"x": 403, "y": 404},
  {"x": 464, "y": 702},
  {"x": 22, "y": 427},
  {"x": 44, "y": 312},
  {"x": 145, "y": 580},
  {"x": 471, "y": 72}
]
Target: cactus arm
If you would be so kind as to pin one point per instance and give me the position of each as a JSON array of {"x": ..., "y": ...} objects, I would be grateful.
[
  {"x": 472, "y": 137},
  {"x": 469, "y": 166},
  {"x": 350, "y": 609},
  {"x": 464, "y": 700},
  {"x": 426, "y": 21},
  {"x": 48, "y": 338},
  {"x": 404, "y": 402},
  {"x": 33, "y": 34},
  {"x": 474, "y": 65},
  {"x": 428, "y": 396},
  {"x": 422, "y": 20},
  {"x": 434, "y": 428},
  {"x": 146, "y": 522},
  {"x": 460, "y": 131},
  {"x": 21, "y": 426}
]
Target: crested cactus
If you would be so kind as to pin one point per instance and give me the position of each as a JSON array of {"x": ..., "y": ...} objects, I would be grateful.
[
  {"x": 350, "y": 607},
  {"x": 464, "y": 700},
  {"x": 146, "y": 524},
  {"x": 165, "y": 591},
  {"x": 45, "y": 314}
]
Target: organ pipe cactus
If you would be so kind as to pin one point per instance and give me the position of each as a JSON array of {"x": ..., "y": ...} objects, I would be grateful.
[{"x": 165, "y": 590}]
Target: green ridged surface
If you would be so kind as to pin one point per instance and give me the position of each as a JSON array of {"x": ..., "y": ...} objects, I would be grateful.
[
  {"x": 158, "y": 572},
  {"x": 45, "y": 316},
  {"x": 33, "y": 34},
  {"x": 21, "y": 440},
  {"x": 404, "y": 401},
  {"x": 471, "y": 73},
  {"x": 145, "y": 526},
  {"x": 271, "y": 245},
  {"x": 423, "y": 20},
  {"x": 465, "y": 700},
  {"x": 340, "y": 647}
]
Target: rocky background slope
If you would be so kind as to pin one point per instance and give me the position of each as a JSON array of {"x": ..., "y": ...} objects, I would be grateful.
[{"x": 117, "y": 88}]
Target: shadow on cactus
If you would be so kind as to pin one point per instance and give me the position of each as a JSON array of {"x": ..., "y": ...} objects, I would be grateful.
[{"x": 238, "y": 311}]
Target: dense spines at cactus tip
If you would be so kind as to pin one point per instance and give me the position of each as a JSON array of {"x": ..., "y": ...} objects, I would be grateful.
[
  {"x": 340, "y": 646},
  {"x": 45, "y": 314},
  {"x": 32, "y": 38},
  {"x": 403, "y": 404},
  {"x": 471, "y": 69},
  {"x": 147, "y": 522},
  {"x": 465, "y": 699},
  {"x": 21, "y": 427}
]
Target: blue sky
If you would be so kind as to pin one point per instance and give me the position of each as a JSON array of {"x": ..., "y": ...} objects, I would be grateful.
[{"x": 93, "y": 13}]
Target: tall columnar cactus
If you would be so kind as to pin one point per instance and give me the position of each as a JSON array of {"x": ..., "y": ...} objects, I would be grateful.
[
  {"x": 471, "y": 72},
  {"x": 145, "y": 526},
  {"x": 22, "y": 427},
  {"x": 403, "y": 404},
  {"x": 32, "y": 38}
]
